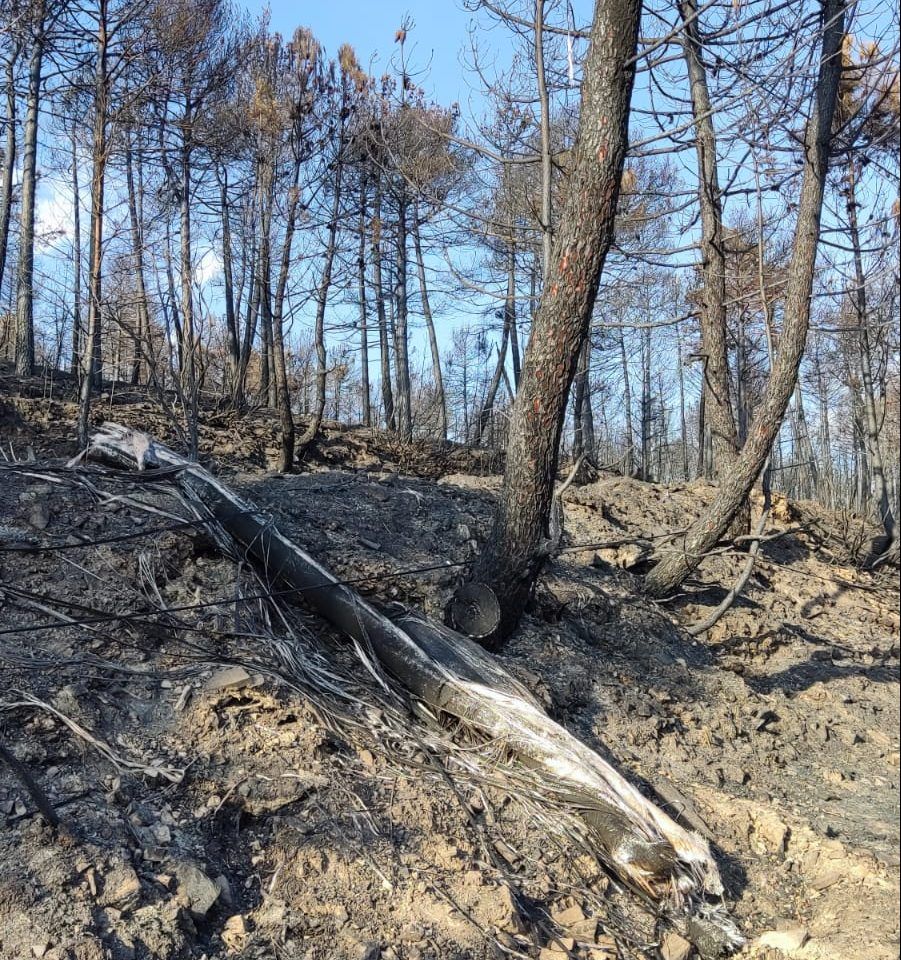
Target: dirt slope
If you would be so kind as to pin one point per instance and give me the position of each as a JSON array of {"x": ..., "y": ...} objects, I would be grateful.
[{"x": 776, "y": 732}]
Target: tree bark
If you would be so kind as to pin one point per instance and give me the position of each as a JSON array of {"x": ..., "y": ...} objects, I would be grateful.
[
  {"x": 228, "y": 293},
  {"x": 718, "y": 406},
  {"x": 583, "y": 418},
  {"x": 325, "y": 283},
  {"x": 364, "y": 319},
  {"x": 509, "y": 325},
  {"x": 401, "y": 341},
  {"x": 868, "y": 391},
  {"x": 9, "y": 159},
  {"x": 629, "y": 455},
  {"x": 547, "y": 230},
  {"x": 142, "y": 337},
  {"x": 674, "y": 567},
  {"x": 91, "y": 357},
  {"x": 77, "y": 332},
  {"x": 188, "y": 365},
  {"x": 379, "y": 290},
  {"x": 430, "y": 328},
  {"x": 25, "y": 274},
  {"x": 286, "y": 455},
  {"x": 518, "y": 547}
]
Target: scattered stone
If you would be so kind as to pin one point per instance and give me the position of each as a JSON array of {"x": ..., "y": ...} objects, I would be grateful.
[
  {"x": 827, "y": 879},
  {"x": 161, "y": 833},
  {"x": 674, "y": 947},
  {"x": 39, "y": 518},
  {"x": 788, "y": 940},
  {"x": 225, "y": 890},
  {"x": 195, "y": 889},
  {"x": 231, "y": 678},
  {"x": 569, "y": 916},
  {"x": 234, "y": 933},
  {"x": 770, "y": 833},
  {"x": 121, "y": 888}
]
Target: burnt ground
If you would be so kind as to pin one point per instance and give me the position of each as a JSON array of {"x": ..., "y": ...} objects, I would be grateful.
[{"x": 212, "y": 810}]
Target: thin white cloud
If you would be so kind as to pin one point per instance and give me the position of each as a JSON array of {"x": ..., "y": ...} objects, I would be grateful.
[
  {"x": 53, "y": 215},
  {"x": 209, "y": 267}
]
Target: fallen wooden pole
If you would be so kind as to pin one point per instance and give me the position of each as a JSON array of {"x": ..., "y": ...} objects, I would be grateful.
[{"x": 452, "y": 675}]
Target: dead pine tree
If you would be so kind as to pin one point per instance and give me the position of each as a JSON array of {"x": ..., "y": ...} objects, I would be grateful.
[
  {"x": 672, "y": 568},
  {"x": 718, "y": 406},
  {"x": 519, "y": 544}
]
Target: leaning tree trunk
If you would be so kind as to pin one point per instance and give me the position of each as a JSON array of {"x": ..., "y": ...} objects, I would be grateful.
[
  {"x": 518, "y": 547},
  {"x": 671, "y": 569},
  {"x": 456, "y": 679}
]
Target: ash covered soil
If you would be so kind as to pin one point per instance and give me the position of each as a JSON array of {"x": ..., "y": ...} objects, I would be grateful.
[{"x": 212, "y": 810}]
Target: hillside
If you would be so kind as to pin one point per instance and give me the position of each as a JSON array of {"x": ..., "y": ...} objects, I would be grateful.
[{"x": 212, "y": 809}]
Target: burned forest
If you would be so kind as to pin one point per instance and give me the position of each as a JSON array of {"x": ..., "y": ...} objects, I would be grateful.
[{"x": 449, "y": 480}]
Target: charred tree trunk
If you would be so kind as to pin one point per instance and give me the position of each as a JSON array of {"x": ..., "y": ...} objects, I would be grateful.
[
  {"x": 379, "y": 289},
  {"x": 325, "y": 283},
  {"x": 718, "y": 406},
  {"x": 865, "y": 363},
  {"x": 189, "y": 363},
  {"x": 440, "y": 398},
  {"x": 137, "y": 252},
  {"x": 250, "y": 331},
  {"x": 286, "y": 455},
  {"x": 583, "y": 417},
  {"x": 629, "y": 455},
  {"x": 547, "y": 227},
  {"x": 77, "y": 332},
  {"x": 674, "y": 567},
  {"x": 228, "y": 292},
  {"x": 401, "y": 341},
  {"x": 518, "y": 547},
  {"x": 25, "y": 274},
  {"x": 365, "y": 393},
  {"x": 509, "y": 324},
  {"x": 9, "y": 159},
  {"x": 92, "y": 360}
]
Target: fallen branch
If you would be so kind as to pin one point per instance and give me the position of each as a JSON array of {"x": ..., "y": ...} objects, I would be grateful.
[
  {"x": 455, "y": 678},
  {"x": 37, "y": 795},
  {"x": 698, "y": 628}
]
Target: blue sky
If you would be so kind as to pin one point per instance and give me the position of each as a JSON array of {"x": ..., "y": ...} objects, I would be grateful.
[{"x": 434, "y": 44}]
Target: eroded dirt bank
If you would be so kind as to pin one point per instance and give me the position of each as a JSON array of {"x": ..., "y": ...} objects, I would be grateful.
[{"x": 776, "y": 732}]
